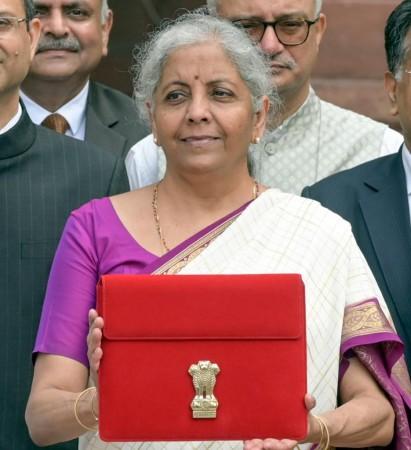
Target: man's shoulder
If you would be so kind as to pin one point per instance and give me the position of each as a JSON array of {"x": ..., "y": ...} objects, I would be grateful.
[
  {"x": 116, "y": 98},
  {"x": 358, "y": 138},
  {"x": 69, "y": 148},
  {"x": 344, "y": 116},
  {"x": 117, "y": 111},
  {"x": 352, "y": 178}
]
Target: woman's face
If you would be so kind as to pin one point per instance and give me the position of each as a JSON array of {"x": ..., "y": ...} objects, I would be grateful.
[{"x": 202, "y": 114}]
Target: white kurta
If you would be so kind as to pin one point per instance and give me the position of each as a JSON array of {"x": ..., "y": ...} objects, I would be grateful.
[{"x": 320, "y": 139}]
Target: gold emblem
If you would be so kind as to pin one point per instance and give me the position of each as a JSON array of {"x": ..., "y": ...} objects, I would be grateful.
[{"x": 204, "y": 404}]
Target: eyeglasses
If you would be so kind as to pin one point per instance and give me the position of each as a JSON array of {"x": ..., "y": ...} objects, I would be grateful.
[
  {"x": 8, "y": 24},
  {"x": 289, "y": 31}
]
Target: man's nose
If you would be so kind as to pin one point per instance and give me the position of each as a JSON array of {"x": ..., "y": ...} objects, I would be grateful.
[
  {"x": 55, "y": 23},
  {"x": 269, "y": 42}
]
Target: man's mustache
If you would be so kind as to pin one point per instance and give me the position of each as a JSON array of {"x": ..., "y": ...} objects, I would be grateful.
[
  {"x": 287, "y": 63},
  {"x": 70, "y": 44}
]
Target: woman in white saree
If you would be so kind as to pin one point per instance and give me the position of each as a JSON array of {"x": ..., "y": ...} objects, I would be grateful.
[{"x": 206, "y": 89}]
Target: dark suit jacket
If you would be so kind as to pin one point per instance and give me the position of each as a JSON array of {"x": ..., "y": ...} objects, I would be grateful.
[
  {"x": 373, "y": 197},
  {"x": 43, "y": 176},
  {"x": 112, "y": 121}
]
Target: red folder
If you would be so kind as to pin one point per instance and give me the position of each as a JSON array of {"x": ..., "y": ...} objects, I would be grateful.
[{"x": 202, "y": 357}]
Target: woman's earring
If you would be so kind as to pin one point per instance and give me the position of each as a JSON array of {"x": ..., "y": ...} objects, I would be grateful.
[
  {"x": 155, "y": 140},
  {"x": 256, "y": 140}
]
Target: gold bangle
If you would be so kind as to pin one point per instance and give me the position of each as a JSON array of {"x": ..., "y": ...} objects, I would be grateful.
[
  {"x": 327, "y": 433},
  {"x": 92, "y": 405},
  {"x": 82, "y": 393},
  {"x": 321, "y": 429},
  {"x": 324, "y": 434}
]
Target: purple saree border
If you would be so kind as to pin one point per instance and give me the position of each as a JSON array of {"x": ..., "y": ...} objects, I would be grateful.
[
  {"x": 397, "y": 350},
  {"x": 160, "y": 261},
  {"x": 379, "y": 352},
  {"x": 377, "y": 338}
]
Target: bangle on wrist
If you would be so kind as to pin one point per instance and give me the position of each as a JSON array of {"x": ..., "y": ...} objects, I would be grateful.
[
  {"x": 93, "y": 411},
  {"x": 76, "y": 402},
  {"x": 324, "y": 443}
]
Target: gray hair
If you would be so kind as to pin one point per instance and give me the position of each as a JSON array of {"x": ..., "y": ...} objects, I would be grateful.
[
  {"x": 196, "y": 28},
  {"x": 104, "y": 10},
  {"x": 212, "y": 6}
]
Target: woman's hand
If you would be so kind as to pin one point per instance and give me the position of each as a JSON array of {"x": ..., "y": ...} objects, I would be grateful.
[
  {"x": 288, "y": 444},
  {"x": 94, "y": 351}
]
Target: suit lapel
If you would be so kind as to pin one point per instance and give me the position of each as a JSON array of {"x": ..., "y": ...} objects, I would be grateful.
[
  {"x": 384, "y": 205},
  {"x": 99, "y": 122}
]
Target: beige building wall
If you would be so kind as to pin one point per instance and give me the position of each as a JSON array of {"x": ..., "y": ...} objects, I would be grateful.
[{"x": 349, "y": 72}]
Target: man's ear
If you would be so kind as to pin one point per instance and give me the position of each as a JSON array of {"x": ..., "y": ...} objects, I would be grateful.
[
  {"x": 106, "y": 28},
  {"x": 391, "y": 85},
  {"x": 34, "y": 32},
  {"x": 321, "y": 26}
]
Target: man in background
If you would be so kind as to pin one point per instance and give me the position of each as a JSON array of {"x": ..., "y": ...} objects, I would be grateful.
[
  {"x": 74, "y": 38},
  {"x": 376, "y": 196},
  {"x": 43, "y": 176},
  {"x": 310, "y": 138}
]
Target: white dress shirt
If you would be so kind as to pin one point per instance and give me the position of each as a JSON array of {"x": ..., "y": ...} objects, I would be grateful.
[
  {"x": 73, "y": 111},
  {"x": 406, "y": 160},
  {"x": 10, "y": 124}
]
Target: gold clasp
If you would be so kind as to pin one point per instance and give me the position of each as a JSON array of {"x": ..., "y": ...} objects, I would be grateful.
[{"x": 204, "y": 404}]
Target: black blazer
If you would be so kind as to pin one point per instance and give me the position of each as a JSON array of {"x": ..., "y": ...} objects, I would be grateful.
[
  {"x": 43, "y": 177},
  {"x": 373, "y": 197}
]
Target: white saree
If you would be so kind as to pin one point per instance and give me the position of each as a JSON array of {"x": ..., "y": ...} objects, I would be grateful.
[{"x": 283, "y": 233}]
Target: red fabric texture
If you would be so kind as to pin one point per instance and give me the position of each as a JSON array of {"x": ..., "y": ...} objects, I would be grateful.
[{"x": 156, "y": 327}]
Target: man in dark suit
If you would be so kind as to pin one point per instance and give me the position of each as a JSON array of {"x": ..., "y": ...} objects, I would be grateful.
[
  {"x": 43, "y": 176},
  {"x": 73, "y": 40},
  {"x": 375, "y": 197}
]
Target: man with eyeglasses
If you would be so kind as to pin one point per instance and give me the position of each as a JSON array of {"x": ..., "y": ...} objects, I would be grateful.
[
  {"x": 312, "y": 138},
  {"x": 43, "y": 176},
  {"x": 376, "y": 196}
]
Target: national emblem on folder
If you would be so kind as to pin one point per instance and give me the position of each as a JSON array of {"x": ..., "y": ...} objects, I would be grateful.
[{"x": 204, "y": 404}]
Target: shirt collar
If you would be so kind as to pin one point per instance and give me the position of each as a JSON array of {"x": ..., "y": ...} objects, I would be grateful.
[
  {"x": 73, "y": 111},
  {"x": 10, "y": 124},
  {"x": 276, "y": 133},
  {"x": 406, "y": 160}
]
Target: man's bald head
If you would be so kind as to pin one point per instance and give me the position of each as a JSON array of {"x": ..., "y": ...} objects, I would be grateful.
[{"x": 213, "y": 4}]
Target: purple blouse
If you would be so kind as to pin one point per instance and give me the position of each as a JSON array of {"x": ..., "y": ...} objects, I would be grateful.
[{"x": 94, "y": 242}]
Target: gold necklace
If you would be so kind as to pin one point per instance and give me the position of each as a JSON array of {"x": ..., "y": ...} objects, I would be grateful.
[
  {"x": 157, "y": 217},
  {"x": 154, "y": 204}
]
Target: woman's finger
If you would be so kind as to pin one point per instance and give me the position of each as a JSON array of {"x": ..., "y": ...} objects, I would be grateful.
[
  {"x": 309, "y": 401},
  {"x": 253, "y": 444},
  {"x": 278, "y": 444}
]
